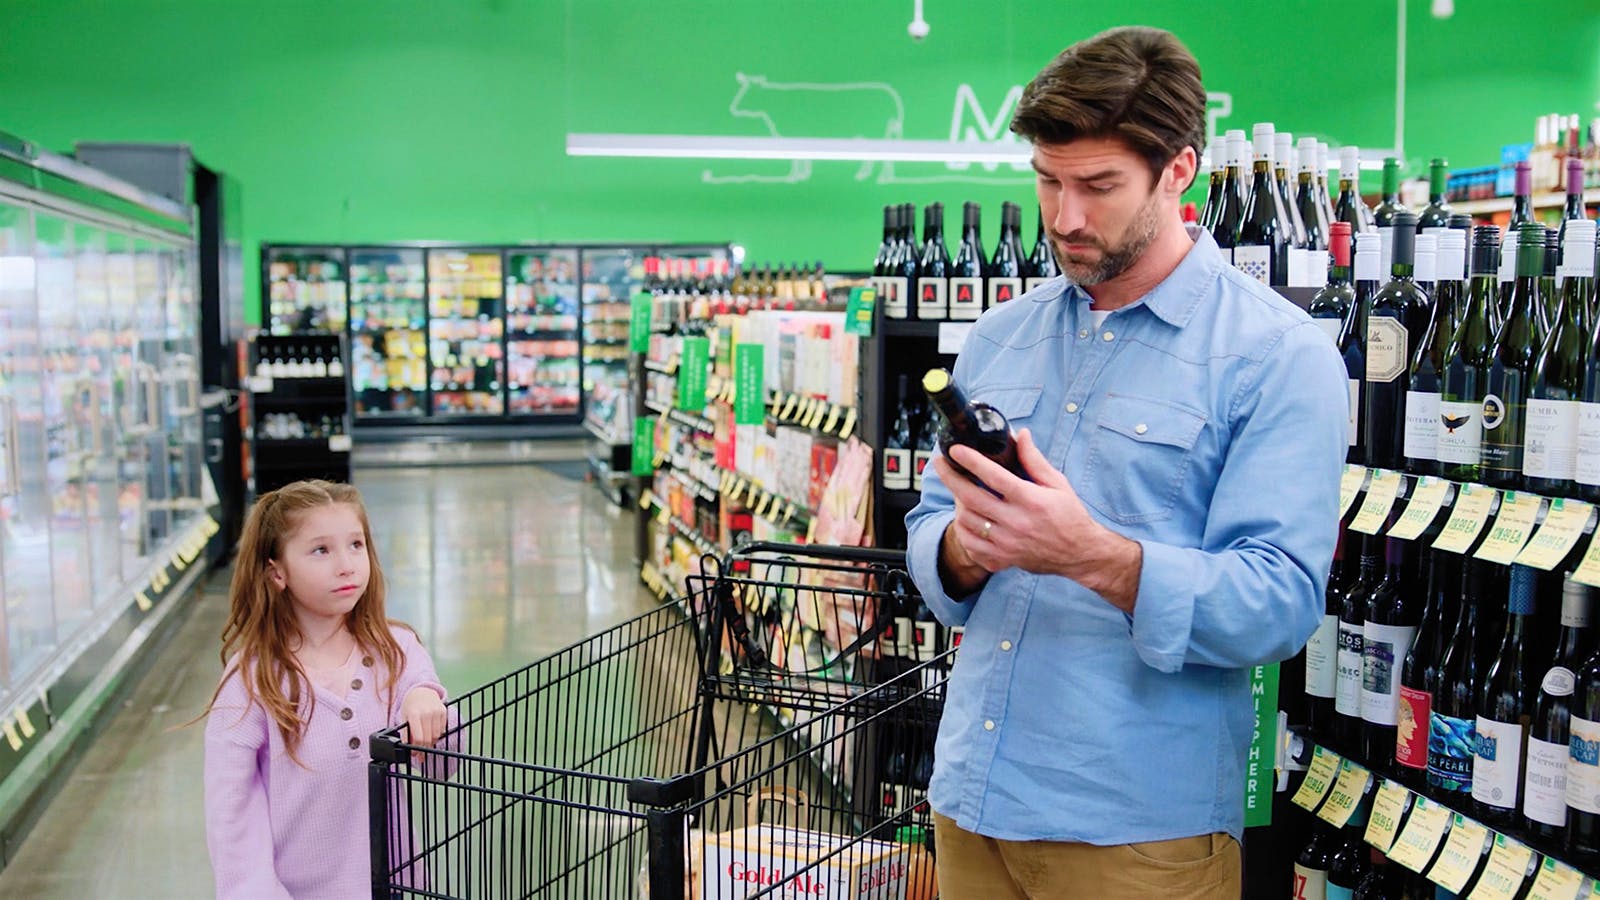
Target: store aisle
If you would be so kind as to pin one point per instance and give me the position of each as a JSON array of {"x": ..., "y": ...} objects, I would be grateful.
[{"x": 493, "y": 565}]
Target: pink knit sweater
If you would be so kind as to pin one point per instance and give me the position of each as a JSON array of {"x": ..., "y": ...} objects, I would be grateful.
[{"x": 277, "y": 829}]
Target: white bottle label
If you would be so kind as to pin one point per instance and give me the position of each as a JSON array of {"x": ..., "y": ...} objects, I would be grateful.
[
  {"x": 1310, "y": 884},
  {"x": 1583, "y": 765},
  {"x": 1347, "y": 689},
  {"x": 1254, "y": 261},
  {"x": 1383, "y": 651},
  {"x": 897, "y": 469},
  {"x": 1004, "y": 290},
  {"x": 1032, "y": 284},
  {"x": 1387, "y": 348},
  {"x": 1587, "y": 465},
  {"x": 1544, "y": 794},
  {"x": 1422, "y": 425},
  {"x": 919, "y": 462},
  {"x": 1497, "y": 763},
  {"x": 933, "y": 301},
  {"x": 896, "y": 297},
  {"x": 1460, "y": 432},
  {"x": 1550, "y": 448},
  {"x": 966, "y": 298},
  {"x": 1330, "y": 327},
  {"x": 1322, "y": 653},
  {"x": 1354, "y": 421}
]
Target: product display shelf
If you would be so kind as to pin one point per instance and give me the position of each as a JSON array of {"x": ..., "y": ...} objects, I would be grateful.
[{"x": 301, "y": 415}]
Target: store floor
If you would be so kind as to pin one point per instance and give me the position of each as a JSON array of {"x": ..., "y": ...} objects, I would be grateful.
[{"x": 494, "y": 565}]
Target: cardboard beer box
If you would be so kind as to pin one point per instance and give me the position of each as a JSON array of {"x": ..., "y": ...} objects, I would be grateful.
[{"x": 746, "y": 861}]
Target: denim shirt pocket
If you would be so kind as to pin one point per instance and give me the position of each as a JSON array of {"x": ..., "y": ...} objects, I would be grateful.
[
  {"x": 1139, "y": 453},
  {"x": 1014, "y": 401}
]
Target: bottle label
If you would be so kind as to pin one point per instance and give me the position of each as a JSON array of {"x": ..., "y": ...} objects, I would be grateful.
[
  {"x": 1030, "y": 285},
  {"x": 919, "y": 462},
  {"x": 1559, "y": 682},
  {"x": 1503, "y": 426},
  {"x": 1331, "y": 328},
  {"x": 1310, "y": 884},
  {"x": 1354, "y": 420},
  {"x": 1387, "y": 348},
  {"x": 1002, "y": 290},
  {"x": 1551, "y": 444},
  {"x": 1587, "y": 467},
  {"x": 1544, "y": 795},
  {"x": 897, "y": 469},
  {"x": 1336, "y": 892},
  {"x": 1422, "y": 425},
  {"x": 1347, "y": 689},
  {"x": 1411, "y": 735},
  {"x": 1254, "y": 261},
  {"x": 1383, "y": 649},
  {"x": 1583, "y": 765},
  {"x": 1497, "y": 766},
  {"x": 1460, "y": 435},
  {"x": 1450, "y": 751},
  {"x": 896, "y": 297},
  {"x": 1322, "y": 653},
  {"x": 932, "y": 298},
  {"x": 966, "y": 298}
]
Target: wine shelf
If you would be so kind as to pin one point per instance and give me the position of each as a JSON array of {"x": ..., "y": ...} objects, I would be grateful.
[{"x": 1503, "y": 204}]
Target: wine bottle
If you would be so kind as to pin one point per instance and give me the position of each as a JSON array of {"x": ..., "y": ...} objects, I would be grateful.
[
  {"x": 976, "y": 425},
  {"x": 1450, "y": 280},
  {"x": 1544, "y": 787},
  {"x": 1308, "y": 201},
  {"x": 1583, "y": 765},
  {"x": 1230, "y": 207},
  {"x": 1452, "y": 724},
  {"x": 1463, "y": 223},
  {"x": 1426, "y": 267},
  {"x": 1510, "y": 374},
  {"x": 1282, "y": 153},
  {"x": 1365, "y": 267},
  {"x": 966, "y": 276},
  {"x": 1422, "y": 669},
  {"x": 1436, "y": 215},
  {"x": 922, "y": 446},
  {"x": 1005, "y": 268},
  {"x": 1042, "y": 261},
  {"x": 1574, "y": 210},
  {"x": 1426, "y": 370},
  {"x": 1322, "y": 650},
  {"x": 1334, "y": 309},
  {"x": 1311, "y": 866},
  {"x": 1508, "y": 271},
  {"x": 1352, "y": 861},
  {"x": 1505, "y": 709},
  {"x": 1352, "y": 631},
  {"x": 1550, "y": 459},
  {"x": 1349, "y": 207},
  {"x": 1580, "y": 287},
  {"x": 1521, "y": 199},
  {"x": 1395, "y": 325},
  {"x": 933, "y": 269},
  {"x": 1549, "y": 297},
  {"x": 897, "y": 444},
  {"x": 896, "y": 302},
  {"x": 1324, "y": 196},
  {"x": 1215, "y": 163},
  {"x": 903, "y": 269},
  {"x": 1386, "y": 210},
  {"x": 880, "y": 264},
  {"x": 1261, "y": 250},
  {"x": 1391, "y": 622}
]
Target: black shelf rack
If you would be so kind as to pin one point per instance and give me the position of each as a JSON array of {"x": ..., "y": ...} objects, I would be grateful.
[{"x": 277, "y": 461}]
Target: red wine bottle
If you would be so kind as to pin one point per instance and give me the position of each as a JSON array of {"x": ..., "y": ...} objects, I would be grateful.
[
  {"x": 966, "y": 275},
  {"x": 976, "y": 425},
  {"x": 1004, "y": 275},
  {"x": 933, "y": 269}
]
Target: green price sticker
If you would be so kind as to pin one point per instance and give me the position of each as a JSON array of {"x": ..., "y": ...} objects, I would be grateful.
[
  {"x": 750, "y": 391},
  {"x": 644, "y": 442},
  {"x": 858, "y": 313},
  {"x": 639, "y": 324},
  {"x": 1260, "y": 766},
  {"x": 693, "y": 371}
]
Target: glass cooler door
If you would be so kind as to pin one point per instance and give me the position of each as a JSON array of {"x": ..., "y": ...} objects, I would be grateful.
[
  {"x": 305, "y": 290},
  {"x": 388, "y": 333},
  {"x": 466, "y": 332},
  {"x": 542, "y": 332}
]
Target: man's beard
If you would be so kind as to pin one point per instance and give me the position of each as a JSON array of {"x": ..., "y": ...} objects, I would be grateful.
[{"x": 1113, "y": 261}]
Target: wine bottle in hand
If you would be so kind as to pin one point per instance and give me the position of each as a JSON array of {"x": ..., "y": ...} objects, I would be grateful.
[{"x": 976, "y": 425}]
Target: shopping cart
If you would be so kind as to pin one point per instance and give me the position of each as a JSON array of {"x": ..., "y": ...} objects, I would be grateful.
[{"x": 770, "y": 734}]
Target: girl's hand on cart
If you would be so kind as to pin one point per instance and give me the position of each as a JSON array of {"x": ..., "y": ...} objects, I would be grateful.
[{"x": 425, "y": 717}]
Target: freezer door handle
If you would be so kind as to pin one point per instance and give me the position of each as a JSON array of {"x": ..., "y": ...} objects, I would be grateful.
[{"x": 12, "y": 485}]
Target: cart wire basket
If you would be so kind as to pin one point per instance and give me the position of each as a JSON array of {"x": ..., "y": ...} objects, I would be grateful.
[{"x": 770, "y": 734}]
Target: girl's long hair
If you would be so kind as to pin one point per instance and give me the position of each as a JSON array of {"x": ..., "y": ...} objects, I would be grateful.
[{"x": 262, "y": 628}]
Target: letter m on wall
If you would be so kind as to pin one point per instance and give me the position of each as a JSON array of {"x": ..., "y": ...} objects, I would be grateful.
[{"x": 968, "y": 123}]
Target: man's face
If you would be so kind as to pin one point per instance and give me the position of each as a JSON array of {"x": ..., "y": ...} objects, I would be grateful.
[{"x": 1099, "y": 203}]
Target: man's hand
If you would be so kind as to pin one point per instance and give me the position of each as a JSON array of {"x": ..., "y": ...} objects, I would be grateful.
[{"x": 1039, "y": 526}]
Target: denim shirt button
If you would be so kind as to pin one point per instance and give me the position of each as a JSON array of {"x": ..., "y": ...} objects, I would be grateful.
[{"x": 1072, "y": 407}]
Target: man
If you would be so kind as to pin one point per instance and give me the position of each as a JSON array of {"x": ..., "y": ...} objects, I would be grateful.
[{"x": 1182, "y": 427}]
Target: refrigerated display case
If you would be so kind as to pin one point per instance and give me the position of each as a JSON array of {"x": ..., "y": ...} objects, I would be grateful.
[
  {"x": 543, "y": 363},
  {"x": 466, "y": 332},
  {"x": 305, "y": 289},
  {"x": 388, "y": 332},
  {"x": 102, "y": 495}
]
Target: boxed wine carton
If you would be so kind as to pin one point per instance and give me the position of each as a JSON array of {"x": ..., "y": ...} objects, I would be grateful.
[{"x": 746, "y": 861}]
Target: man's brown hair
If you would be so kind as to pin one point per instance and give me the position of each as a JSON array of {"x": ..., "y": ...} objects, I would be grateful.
[{"x": 1141, "y": 85}]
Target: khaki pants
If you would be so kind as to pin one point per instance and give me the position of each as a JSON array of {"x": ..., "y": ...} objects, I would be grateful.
[{"x": 973, "y": 867}]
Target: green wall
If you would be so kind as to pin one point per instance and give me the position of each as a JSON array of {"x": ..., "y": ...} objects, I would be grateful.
[{"x": 379, "y": 120}]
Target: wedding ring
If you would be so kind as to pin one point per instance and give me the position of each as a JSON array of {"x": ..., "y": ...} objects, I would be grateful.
[{"x": 986, "y": 526}]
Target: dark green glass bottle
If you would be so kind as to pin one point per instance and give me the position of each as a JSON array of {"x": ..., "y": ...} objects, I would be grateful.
[
  {"x": 1262, "y": 250},
  {"x": 1437, "y": 213},
  {"x": 1550, "y": 457},
  {"x": 1383, "y": 214},
  {"x": 1395, "y": 325},
  {"x": 1307, "y": 199},
  {"x": 1511, "y": 374},
  {"x": 1466, "y": 366}
]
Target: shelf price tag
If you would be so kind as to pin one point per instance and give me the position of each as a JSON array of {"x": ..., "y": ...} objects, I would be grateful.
[
  {"x": 639, "y": 323},
  {"x": 848, "y": 426},
  {"x": 1387, "y": 809},
  {"x": 1556, "y": 881},
  {"x": 1511, "y": 528},
  {"x": 1347, "y": 792},
  {"x": 1381, "y": 494},
  {"x": 1459, "y": 859},
  {"x": 1562, "y": 527},
  {"x": 1422, "y": 834},
  {"x": 644, "y": 440},
  {"x": 833, "y": 420},
  {"x": 1319, "y": 779},
  {"x": 788, "y": 407},
  {"x": 749, "y": 370},
  {"x": 1427, "y": 496},
  {"x": 1350, "y": 485},
  {"x": 1588, "y": 571},
  {"x": 692, "y": 374},
  {"x": 858, "y": 312},
  {"x": 1508, "y": 866},
  {"x": 1473, "y": 502}
]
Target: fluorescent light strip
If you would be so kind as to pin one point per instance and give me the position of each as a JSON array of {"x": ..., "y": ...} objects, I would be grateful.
[{"x": 690, "y": 146}]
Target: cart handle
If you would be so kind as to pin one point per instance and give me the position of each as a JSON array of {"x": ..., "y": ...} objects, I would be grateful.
[
  {"x": 784, "y": 796},
  {"x": 825, "y": 551}
]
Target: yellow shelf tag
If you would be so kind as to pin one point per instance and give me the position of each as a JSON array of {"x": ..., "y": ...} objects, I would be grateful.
[
  {"x": 1319, "y": 779},
  {"x": 1459, "y": 859},
  {"x": 24, "y": 723},
  {"x": 1473, "y": 502},
  {"x": 1381, "y": 494},
  {"x": 1422, "y": 834},
  {"x": 811, "y": 531},
  {"x": 1347, "y": 792},
  {"x": 646, "y": 497},
  {"x": 788, "y": 408},
  {"x": 1562, "y": 527},
  {"x": 849, "y": 426},
  {"x": 833, "y": 420},
  {"x": 1511, "y": 528},
  {"x": 1508, "y": 866},
  {"x": 1427, "y": 496},
  {"x": 12, "y": 738},
  {"x": 1556, "y": 881},
  {"x": 1588, "y": 571},
  {"x": 1350, "y": 485},
  {"x": 1387, "y": 809},
  {"x": 142, "y": 600}
]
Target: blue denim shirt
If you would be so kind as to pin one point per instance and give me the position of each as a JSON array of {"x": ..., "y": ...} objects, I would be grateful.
[{"x": 1207, "y": 422}]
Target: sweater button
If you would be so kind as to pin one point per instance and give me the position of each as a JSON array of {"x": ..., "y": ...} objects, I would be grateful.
[
  {"x": 355, "y": 743},
  {"x": 366, "y": 661},
  {"x": 345, "y": 714},
  {"x": 355, "y": 685}
]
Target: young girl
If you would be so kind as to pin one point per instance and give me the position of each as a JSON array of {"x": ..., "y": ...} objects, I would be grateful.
[{"x": 311, "y": 667}]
